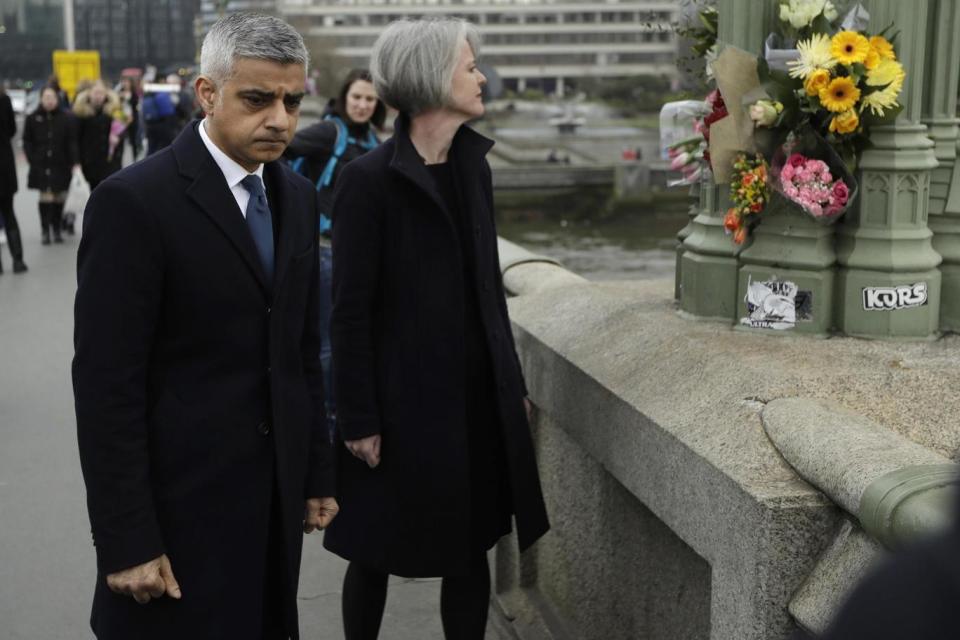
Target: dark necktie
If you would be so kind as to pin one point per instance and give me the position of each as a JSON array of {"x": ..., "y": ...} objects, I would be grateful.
[{"x": 260, "y": 222}]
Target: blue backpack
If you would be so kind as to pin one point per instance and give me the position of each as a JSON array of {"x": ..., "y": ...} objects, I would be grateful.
[
  {"x": 157, "y": 106},
  {"x": 340, "y": 146}
]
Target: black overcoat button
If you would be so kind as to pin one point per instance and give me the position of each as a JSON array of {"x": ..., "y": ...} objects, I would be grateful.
[{"x": 263, "y": 429}]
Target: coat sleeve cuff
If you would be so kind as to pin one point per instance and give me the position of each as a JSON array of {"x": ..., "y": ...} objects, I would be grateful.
[
  {"x": 116, "y": 552},
  {"x": 357, "y": 429}
]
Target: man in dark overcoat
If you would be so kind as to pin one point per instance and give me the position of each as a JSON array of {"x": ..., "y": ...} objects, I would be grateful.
[{"x": 197, "y": 380}]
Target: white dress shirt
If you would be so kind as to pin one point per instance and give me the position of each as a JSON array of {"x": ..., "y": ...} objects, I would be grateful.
[{"x": 232, "y": 171}]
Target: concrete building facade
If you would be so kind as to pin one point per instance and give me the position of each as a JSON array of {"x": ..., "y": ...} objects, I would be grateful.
[{"x": 550, "y": 45}]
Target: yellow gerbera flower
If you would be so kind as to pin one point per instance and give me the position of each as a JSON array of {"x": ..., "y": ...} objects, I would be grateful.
[
  {"x": 814, "y": 54},
  {"x": 816, "y": 81},
  {"x": 883, "y": 47},
  {"x": 846, "y": 122},
  {"x": 840, "y": 95},
  {"x": 872, "y": 60},
  {"x": 849, "y": 47}
]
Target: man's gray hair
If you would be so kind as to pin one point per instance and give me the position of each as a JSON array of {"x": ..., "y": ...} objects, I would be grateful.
[
  {"x": 413, "y": 61},
  {"x": 249, "y": 35}
]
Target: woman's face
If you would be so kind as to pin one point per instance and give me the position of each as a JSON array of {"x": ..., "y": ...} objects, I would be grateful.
[
  {"x": 361, "y": 101},
  {"x": 49, "y": 100},
  {"x": 98, "y": 95},
  {"x": 466, "y": 93}
]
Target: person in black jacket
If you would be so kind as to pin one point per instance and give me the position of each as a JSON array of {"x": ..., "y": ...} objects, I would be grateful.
[
  {"x": 98, "y": 113},
  {"x": 320, "y": 152},
  {"x": 431, "y": 403},
  {"x": 8, "y": 183},
  {"x": 50, "y": 144},
  {"x": 130, "y": 98},
  {"x": 198, "y": 389}
]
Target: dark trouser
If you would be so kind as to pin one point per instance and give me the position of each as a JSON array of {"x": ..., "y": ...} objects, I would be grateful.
[
  {"x": 9, "y": 220},
  {"x": 464, "y": 602}
]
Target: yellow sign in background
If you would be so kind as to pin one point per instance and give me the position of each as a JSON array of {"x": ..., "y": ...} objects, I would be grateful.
[{"x": 73, "y": 66}]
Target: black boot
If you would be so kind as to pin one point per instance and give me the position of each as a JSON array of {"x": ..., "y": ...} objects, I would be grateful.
[
  {"x": 16, "y": 250},
  {"x": 45, "y": 222},
  {"x": 56, "y": 220}
]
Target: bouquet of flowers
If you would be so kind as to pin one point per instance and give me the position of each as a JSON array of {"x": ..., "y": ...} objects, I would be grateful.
[
  {"x": 842, "y": 84},
  {"x": 809, "y": 183},
  {"x": 686, "y": 156},
  {"x": 748, "y": 192},
  {"x": 118, "y": 126}
]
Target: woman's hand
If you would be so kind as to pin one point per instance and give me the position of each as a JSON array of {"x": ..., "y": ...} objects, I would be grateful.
[{"x": 367, "y": 449}]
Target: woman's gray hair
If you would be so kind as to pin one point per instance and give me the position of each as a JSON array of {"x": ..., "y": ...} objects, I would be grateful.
[
  {"x": 249, "y": 35},
  {"x": 413, "y": 61}
]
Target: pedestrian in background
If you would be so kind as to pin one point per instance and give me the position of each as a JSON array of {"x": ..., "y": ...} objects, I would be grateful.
[
  {"x": 8, "y": 182},
  {"x": 160, "y": 117},
  {"x": 130, "y": 98},
  {"x": 97, "y": 110},
  {"x": 430, "y": 397},
  {"x": 320, "y": 152},
  {"x": 50, "y": 144}
]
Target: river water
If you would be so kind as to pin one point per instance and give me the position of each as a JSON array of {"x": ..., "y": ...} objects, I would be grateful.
[{"x": 636, "y": 246}]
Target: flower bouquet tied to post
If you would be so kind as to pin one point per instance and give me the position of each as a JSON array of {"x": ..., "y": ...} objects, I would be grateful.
[
  {"x": 748, "y": 193},
  {"x": 844, "y": 84},
  {"x": 811, "y": 121}
]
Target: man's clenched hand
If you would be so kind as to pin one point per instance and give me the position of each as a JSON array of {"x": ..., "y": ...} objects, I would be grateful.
[
  {"x": 152, "y": 579},
  {"x": 319, "y": 513}
]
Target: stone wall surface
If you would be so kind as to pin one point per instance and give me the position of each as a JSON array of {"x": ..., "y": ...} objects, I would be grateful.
[{"x": 655, "y": 461}]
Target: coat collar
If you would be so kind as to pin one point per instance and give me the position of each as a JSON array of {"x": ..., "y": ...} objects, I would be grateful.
[
  {"x": 466, "y": 154},
  {"x": 210, "y": 191}
]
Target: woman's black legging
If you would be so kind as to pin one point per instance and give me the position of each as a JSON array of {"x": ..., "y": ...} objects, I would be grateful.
[{"x": 464, "y": 602}]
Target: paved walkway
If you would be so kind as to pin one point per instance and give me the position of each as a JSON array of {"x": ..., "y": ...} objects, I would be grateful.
[{"x": 46, "y": 556}]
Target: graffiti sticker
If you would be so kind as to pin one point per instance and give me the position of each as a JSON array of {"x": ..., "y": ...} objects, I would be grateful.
[
  {"x": 776, "y": 304},
  {"x": 906, "y": 296}
]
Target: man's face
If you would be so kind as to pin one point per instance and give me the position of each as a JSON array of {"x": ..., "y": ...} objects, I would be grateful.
[{"x": 253, "y": 115}]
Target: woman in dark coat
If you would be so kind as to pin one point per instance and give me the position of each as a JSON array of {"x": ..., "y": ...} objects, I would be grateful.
[
  {"x": 49, "y": 142},
  {"x": 430, "y": 398},
  {"x": 8, "y": 183},
  {"x": 95, "y": 110},
  {"x": 320, "y": 152}
]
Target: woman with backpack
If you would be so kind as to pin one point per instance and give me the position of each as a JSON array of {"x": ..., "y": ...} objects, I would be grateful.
[
  {"x": 320, "y": 152},
  {"x": 50, "y": 144}
]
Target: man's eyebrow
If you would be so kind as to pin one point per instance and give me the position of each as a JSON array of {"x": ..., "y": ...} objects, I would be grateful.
[
  {"x": 295, "y": 96},
  {"x": 256, "y": 92}
]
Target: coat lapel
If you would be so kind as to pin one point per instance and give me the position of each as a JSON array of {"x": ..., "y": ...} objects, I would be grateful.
[
  {"x": 209, "y": 190},
  {"x": 289, "y": 227}
]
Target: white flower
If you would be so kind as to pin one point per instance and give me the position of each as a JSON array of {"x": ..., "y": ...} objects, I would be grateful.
[
  {"x": 801, "y": 13},
  {"x": 814, "y": 54}
]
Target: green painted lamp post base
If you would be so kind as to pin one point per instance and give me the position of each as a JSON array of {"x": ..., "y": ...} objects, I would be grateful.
[
  {"x": 812, "y": 292},
  {"x": 881, "y": 304},
  {"x": 708, "y": 286},
  {"x": 950, "y": 297}
]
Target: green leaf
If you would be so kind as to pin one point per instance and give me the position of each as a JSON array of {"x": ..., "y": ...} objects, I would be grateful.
[
  {"x": 763, "y": 70},
  {"x": 889, "y": 117},
  {"x": 820, "y": 24}
]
